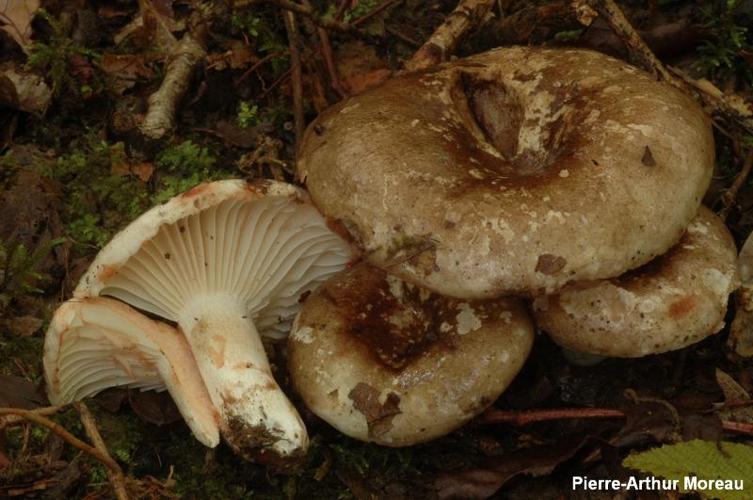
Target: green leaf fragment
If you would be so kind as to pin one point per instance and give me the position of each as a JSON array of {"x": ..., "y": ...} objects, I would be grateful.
[{"x": 705, "y": 460}]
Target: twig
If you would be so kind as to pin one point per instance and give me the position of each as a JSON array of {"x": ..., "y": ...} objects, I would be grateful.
[
  {"x": 13, "y": 419},
  {"x": 376, "y": 10},
  {"x": 439, "y": 46},
  {"x": 38, "y": 418},
  {"x": 160, "y": 118},
  {"x": 616, "y": 20},
  {"x": 521, "y": 418},
  {"x": 256, "y": 65},
  {"x": 116, "y": 477},
  {"x": 308, "y": 11},
  {"x": 728, "y": 198},
  {"x": 295, "y": 70},
  {"x": 730, "y": 106},
  {"x": 740, "y": 427}
]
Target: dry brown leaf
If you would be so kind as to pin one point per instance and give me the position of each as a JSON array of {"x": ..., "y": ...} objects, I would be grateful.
[
  {"x": 734, "y": 392},
  {"x": 153, "y": 27},
  {"x": 24, "y": 91},
  {"x": 123, "y": 70},
  {"x": 16, "y": 16}
]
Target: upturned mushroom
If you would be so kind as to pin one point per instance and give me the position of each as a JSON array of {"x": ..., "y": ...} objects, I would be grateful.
[
  {"x": 96, "y": 343},
  {"x": 471, "y": 178},
  {"x": 675, "y": 300},
  {"x": 385, "y": 361},
  {"x": 225, "y": 261}
]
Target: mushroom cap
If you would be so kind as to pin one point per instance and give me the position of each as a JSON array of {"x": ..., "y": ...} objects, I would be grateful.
[
  {"x": 262, "y": 243},
  {"x": 96, "y": 343},
  {"x": 471, "y": 178},
  {"x": 675, "y": 300},
  {"x": 385, "y": 361}
]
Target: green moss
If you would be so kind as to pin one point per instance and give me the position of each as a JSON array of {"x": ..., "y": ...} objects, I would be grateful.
[
  {"x": 722, "y": 55},
  {"x": 28, "y": 352}
]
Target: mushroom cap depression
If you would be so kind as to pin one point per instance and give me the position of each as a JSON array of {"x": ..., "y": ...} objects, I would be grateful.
[
  {"x": 472, "y": 178},
  {"x": 675, "y": 300},
  {"x": 385, "y": 361},
  {"x": 96, "y": 343}
]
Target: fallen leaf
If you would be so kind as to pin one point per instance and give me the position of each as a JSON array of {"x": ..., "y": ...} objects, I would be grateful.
[
  {"x": 16, "y": 16},
  {"x": 154, "y": 407},
  {"x": 734, "y": 392},
  {"x": 484, "y": 482},
  {"x": 24, "y": 91},
  {"x": 153, "y": 27},
  {"x": 122, "y": 71},
  {"x": 17, "y": 392}
]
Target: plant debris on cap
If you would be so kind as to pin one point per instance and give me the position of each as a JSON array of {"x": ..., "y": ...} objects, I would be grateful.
[
  {"x": 471, "y": 179},
  {"x": 673, "y": 301},
  {"x": 386, "y": 361},
  {"x": 96, "y": 343},
  {"x": 224, "y": 260}
]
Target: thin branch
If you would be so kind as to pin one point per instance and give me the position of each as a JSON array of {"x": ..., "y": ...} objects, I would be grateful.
[
  {"x": 14, "y": 419},
  {"x": 256, "y": 65},
  {"x": 295, "y": 70},
  {"x": 739, "y": 427},
  {"x": 116, "y": 477},
  {"x": 730, "y": 106},
  {"x": 521, "y": 418},
  {"x": 39, "y": 419},
  {"x": 440, "y": 45},
  {"x": 379, "y": 8},
  {"x": 611, "y": 13},
  {"x": 728, "y": 198},
  {"x": 295, "y": 7}
]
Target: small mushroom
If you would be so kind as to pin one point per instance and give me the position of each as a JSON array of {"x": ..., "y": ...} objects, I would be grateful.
[
  {"x": 385, "y": 361},
  {"x": 96, "y": 343},
  {"x": 675, "y": 300},
  {"x": 225, "y": 261}
]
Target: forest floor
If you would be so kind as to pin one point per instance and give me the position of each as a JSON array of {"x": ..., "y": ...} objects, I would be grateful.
[{"x": 77, "y": 163}]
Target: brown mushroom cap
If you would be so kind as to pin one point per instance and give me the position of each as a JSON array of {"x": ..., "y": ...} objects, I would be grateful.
[
  {"x": 674, "y": 301},
  {"x": 385, "y": 361},
  {"x": 472, "y": 178}
]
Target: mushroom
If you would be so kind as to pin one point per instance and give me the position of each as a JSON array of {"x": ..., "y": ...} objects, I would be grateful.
[
  {"x": 471, "y": 178},
  {"x": 675, "y": 300},
  {"x": 225, "y": 261},
  {"x": 385, "y": 361},
  {"x": 96, "y": 343}
]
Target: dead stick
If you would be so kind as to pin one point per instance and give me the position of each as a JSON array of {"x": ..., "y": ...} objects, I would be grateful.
[
  {"x": 439, "y": 46},
  {"x": 59, "y": 430},
  {"x": 521, "y": 418},
  {"x": 728, "y": 198},
  {"x": 740, "y": 427},
  {"x": 616, "y": 20},
  {"x": 295, "y": 70},
  {"x": 13, "y": 419},
  {"x": 379, "y": 8},
  {"x": 731, "y": 106},
  {"x": 116, "y": 477},
  {"x": 256, "y": 65},
  {"x": 303, "y": 10}
]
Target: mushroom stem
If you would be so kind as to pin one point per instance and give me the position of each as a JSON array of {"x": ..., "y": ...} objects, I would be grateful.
[{"x": 257, "y": 420}]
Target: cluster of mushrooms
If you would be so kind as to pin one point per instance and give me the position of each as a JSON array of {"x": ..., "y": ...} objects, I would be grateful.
[{"x": 443, "y": 207}]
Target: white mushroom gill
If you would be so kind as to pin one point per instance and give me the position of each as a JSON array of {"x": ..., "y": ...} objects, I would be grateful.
[
  {"x": 97, "y": 343},
  {"x": 235, "y": 261}
]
